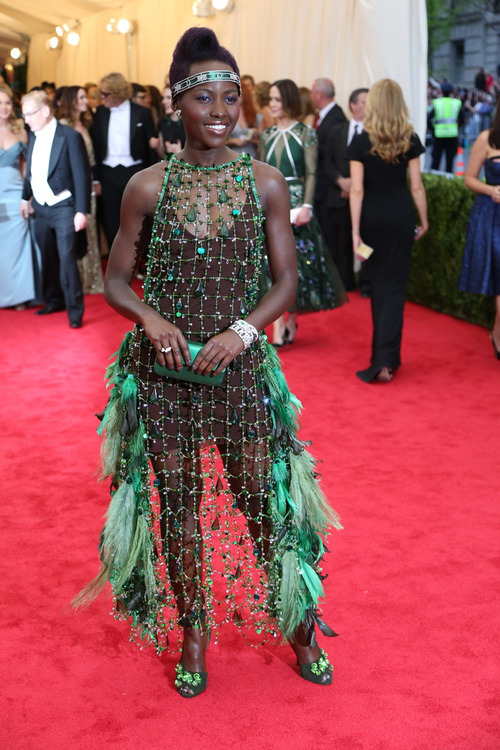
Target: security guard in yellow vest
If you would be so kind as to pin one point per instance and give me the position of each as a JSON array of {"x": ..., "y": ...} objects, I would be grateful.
[{"x": 445, "y": 116}]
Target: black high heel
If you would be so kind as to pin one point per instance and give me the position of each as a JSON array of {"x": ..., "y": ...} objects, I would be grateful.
[
  {"x": 291, "y": 339},
  {"x": 319, "y": 671},
  {"x": 190, "y": 684},
  {"x": 497, "y": 351},
  {"x": 286, "y": 342}
]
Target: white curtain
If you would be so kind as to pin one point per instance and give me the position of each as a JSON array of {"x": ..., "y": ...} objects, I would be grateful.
[{"x": 353, "y": 42}]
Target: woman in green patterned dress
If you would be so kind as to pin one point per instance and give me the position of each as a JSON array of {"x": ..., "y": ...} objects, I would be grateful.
[
  {"x": 292, "y": 147},
  {"x": 216, "y": 514}
]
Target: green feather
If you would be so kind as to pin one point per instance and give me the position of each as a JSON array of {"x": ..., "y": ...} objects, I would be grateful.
[
  {"x": 313, "y": 508},
  {"x": 117, "y": 532},
  {"x": 292, "y": 607},
  {"x": 140, "y": 548},
  {"x": 312, "y": 581}
]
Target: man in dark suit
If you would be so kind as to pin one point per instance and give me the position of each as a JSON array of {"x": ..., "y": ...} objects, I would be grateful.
[
  {"x": 329, "y": 114},
  {"x": 339, "y": 184},
  {"x": 121, "y": 133},
  {"x": 58, "y": 182}
]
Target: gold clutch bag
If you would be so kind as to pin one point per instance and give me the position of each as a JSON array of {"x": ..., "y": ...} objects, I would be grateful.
[{"x": 364, "y": 251}]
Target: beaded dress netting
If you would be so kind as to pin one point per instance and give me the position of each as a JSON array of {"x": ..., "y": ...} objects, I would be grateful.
[{"x": 216, "y": 513}]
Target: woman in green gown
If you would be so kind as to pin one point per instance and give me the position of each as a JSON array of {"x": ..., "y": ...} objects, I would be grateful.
[
  {"x": 216, "y": 514},
  {"x": 292, "y": 147}
]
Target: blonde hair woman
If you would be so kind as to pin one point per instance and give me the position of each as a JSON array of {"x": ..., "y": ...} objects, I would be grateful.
[{"x": 383, "y": 216}]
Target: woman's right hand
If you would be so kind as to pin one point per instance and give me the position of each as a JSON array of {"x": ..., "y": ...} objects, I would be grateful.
[
  {"x": 165, "y": 336},
  {"x": 495, "y": 195}
]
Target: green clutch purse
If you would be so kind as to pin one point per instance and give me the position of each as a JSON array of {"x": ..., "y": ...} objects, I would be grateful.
[{"x": 187, "y": 373}]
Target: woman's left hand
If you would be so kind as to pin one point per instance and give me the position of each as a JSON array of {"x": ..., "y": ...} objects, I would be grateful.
[
  {"x": 304, "y": 216},
  {"x": 217, "y": 353}
]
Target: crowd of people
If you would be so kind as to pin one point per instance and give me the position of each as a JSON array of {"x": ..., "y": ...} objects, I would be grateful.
[
  {"x": 126, "y": 127},
  {"x": 241, "y": 205}
]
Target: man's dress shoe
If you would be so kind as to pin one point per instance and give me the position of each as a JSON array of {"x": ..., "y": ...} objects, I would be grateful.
[{"x": 47, "y": 310}]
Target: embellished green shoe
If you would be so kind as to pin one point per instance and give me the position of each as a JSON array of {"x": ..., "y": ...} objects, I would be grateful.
[
  {"x": 319, "y": 671},
  {"x": 189, "y": 684}
]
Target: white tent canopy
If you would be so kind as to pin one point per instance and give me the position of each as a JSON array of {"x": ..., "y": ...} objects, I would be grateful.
[{"x": 353, "y": 42}]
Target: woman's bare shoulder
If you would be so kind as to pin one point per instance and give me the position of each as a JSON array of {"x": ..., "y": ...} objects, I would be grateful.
[
  {"x": 145, "y": 186},
  {"x": 266, "y": 176}
]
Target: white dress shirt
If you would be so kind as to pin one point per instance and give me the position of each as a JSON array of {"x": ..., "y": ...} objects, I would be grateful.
[
  {"x": 354, "y": 127},
  {"x": 40, "y": 158},
  {"x": 119, "y": 137}
]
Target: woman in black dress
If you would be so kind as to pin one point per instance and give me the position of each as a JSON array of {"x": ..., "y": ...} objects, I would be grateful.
[{"x": 383, "y": 215}]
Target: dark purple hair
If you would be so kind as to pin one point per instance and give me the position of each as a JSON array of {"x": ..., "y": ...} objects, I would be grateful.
[{"x": 197, "y": 44}]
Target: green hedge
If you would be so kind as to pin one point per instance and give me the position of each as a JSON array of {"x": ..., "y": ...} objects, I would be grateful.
[{"x": 437, "y": 257}]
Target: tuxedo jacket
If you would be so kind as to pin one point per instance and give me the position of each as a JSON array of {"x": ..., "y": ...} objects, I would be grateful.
[
  {"x": 334, "y": 117},
  {"x": 69, "y": 167},
  {"x": 141, "y": 130},
  {"x": 336, "y": 164}
]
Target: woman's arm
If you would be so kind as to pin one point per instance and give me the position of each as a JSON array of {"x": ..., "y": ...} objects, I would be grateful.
[
  {"x": 137, "y": 210},
  {"x": 418, "y": 192},
  {"x": 310, "y": 146},
  {"x": 355, "y": 202},
  {"x": 478, "y": 156}
]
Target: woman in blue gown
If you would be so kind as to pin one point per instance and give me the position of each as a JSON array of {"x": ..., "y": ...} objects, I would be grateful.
[
  {"x": 480, "y": 272},
  {"x": 17, "y": 279}
]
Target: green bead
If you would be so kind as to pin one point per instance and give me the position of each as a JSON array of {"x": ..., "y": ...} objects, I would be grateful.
[
  {"x": 201, "y": 251},
  {"x": 191, "y": 215}
]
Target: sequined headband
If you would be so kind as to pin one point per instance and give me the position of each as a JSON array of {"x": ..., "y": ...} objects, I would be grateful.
[{"x": 203, "y": 77}]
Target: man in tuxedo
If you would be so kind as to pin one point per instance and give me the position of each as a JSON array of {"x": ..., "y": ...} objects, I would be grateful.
[
  {"x": 329, "y": 114},
  {"x": 121, "y": 134},
  {"x": 58, "y": 182},
  {"x": 338, "y": 187}
]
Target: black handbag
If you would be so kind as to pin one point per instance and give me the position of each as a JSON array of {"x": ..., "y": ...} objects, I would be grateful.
[{"x": 81, "y": 244}]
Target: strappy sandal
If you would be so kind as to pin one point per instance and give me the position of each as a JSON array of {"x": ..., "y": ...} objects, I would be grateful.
[
  {"x": 189, "y": 684},
  {"x": 319, "y": 671}
]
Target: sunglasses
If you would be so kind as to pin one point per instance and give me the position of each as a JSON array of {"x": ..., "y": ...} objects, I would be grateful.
[{"x": 104, "y": 94}]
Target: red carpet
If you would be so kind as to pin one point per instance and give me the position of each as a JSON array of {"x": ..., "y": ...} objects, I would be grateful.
[{"x": 411, "y": 466}]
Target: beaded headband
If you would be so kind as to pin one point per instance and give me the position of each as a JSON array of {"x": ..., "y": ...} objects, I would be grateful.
[{"x": 203, "y": 77}]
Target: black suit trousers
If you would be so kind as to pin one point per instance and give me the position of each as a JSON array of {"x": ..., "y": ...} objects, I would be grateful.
[
  {"x": 450, "y": 147},
  {"x": 113, "y": 182},
  {"x": 56, "y": 238}
]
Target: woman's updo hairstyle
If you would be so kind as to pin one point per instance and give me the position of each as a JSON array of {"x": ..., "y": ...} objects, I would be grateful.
[{"x": 197, "y": 44}]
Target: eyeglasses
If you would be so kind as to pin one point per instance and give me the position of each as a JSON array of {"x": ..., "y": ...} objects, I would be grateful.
[
  {"x": 104, "y": 94},
  {"x": 30, "y": 114}
]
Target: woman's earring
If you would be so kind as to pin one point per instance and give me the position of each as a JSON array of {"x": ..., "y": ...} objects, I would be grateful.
[{"x": 178, "y": 113}]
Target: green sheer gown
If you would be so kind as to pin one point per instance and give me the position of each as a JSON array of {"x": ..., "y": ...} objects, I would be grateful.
[{"x": 216, "y": 512}]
